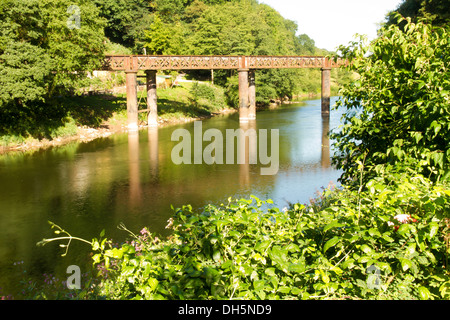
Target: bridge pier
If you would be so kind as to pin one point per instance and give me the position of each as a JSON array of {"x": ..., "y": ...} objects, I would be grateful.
[
  {"x": 251, "y": 95},
  {"x": 243, "y": 95},
  {"x": 152, "y": 104},
  {"x": 132, "y": 101},
  {"x": 326, "y": 88}
]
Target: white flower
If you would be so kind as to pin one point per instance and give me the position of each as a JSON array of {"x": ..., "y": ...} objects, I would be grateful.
[{"x": 403, "y": 218}]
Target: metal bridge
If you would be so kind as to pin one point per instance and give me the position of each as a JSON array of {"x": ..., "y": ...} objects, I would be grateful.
[{"x": 245, "y": 65}]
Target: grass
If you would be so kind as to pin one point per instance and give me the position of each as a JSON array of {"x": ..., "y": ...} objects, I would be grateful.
[{"x": 180, "y": 102}]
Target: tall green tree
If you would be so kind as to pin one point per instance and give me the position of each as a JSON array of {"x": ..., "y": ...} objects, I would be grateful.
[
  {"x": 163, "y": 38},
  {"x": 46, "y": 47},
  {"x": 436, "y": 12},
  {"x": 125, "y": 19}
]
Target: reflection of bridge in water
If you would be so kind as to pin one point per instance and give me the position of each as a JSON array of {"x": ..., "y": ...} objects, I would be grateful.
[
  {"x": 243, "y": 176},
  {"x": 245, "y": 65}
]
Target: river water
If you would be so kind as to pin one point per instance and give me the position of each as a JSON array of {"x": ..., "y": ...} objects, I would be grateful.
[{"x": 132, "y": 179}]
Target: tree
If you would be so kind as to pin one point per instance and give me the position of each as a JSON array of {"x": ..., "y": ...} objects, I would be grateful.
[
  {"x": 436, "y": 12},
  {"x": 43, "y": 55},
  {"x": 125, "y": 19},
  {"x": 305, "y": 45},
  {"x": 398, "y": 111}
]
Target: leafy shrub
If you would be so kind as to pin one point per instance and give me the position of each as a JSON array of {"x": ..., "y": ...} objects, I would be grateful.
[
  {"x": 202, "y": 91},
  {"x": 389, "y": 242},
  {"x": 398, "y": 110},
  {"x": 210, "y": 96}
]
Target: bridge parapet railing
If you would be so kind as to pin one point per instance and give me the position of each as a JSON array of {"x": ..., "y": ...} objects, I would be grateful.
[{"x": 147, "y": 62}]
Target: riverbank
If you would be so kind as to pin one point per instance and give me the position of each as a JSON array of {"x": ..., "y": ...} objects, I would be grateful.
[
  {"x": 101, "y": 116},
  {"x": 86, "y": 134}
]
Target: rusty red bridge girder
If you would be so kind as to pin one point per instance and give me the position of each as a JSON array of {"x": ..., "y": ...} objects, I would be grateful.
[
  {"x": 145, "y": 62},
  {"x": 246, "y": 65}
]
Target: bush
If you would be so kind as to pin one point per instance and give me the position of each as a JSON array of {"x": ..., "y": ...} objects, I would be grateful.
[
  {"x": 209, "y": 96},
  {"x": 389, "y": 242},
  {"x": 398, "y": 111}
]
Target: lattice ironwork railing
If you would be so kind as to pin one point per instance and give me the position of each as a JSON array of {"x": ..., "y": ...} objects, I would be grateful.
[{"x": 140, "y": 62}]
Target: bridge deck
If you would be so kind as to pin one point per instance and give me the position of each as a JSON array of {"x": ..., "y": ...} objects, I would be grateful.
[{"x": 146, "y": 62}]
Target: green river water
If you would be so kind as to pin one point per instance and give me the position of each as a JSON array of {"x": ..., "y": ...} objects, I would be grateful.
[{"x": 131, "y": 178}]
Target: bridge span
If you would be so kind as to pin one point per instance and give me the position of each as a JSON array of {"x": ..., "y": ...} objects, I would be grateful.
[{"x": 245, "y": 65}]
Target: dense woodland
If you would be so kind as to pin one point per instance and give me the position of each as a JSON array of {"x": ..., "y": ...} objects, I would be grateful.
[{"x": 42, "y": 59}]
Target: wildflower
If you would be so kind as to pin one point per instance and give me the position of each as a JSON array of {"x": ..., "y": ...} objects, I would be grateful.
[
  {"x": 402, "y": 218},
  {"x": 170, "y": 223},
  {"x": 144, "y": 231}
]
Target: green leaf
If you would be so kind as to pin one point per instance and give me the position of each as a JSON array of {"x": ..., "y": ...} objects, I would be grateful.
[
  {"x": 297, "y": 267},
  {"x": 366, "y": 249},
  {"x": 434, "y": 227},
  {"x": 403, "y": 229},
  {"x": 424, "y": 293},
  {"x": 153, "y": 283},
  {"x": 331, "y": 243},
  {"x": 411, "y": 248},
  {"x": 270, "y": 272},
  {"x": 332, "y": 225},
  {"x": 387, "y": 238},
  {"x": 216, "y": 255},
  {"x": 278, "y": 254},
  {"x": 114, "y": 253},
  {"x": 374, "y": 232},
  {"x": 406, "y": 264},
  {"x": 95, "y": 245},
  {"x": 295, "y": 291},
  {"x": 284, "y": 289},
  {"x": 263, "y": 245},
  {"x": 97, "y": 257},
  {"x": 258, "y": 257},
  {"x": 128, "y": 270},
  {"x": 258, "y": 285}
]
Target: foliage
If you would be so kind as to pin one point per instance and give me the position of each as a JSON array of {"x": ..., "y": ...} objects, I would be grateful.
[
  {"x": 433, "y": 11},
  {"x": 41, "y": 58},
  {"x": 163, "y": 38},
  {"x": 249, "y": 28},
  {"x": 398, "y": 110},
  {"x": 211, "y": 96},
  {"x": 389, "y": 242},
  {"x": 125, "y": 19}
]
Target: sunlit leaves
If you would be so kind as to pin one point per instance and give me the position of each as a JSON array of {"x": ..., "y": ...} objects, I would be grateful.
[
  {"x": 402, "y": 103},
  {"x": 41, "y": 58},
  {"x": 248, "y": 249}
]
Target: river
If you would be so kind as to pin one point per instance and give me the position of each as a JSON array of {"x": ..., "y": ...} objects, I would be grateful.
[{"x": 87, "y": 187}]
